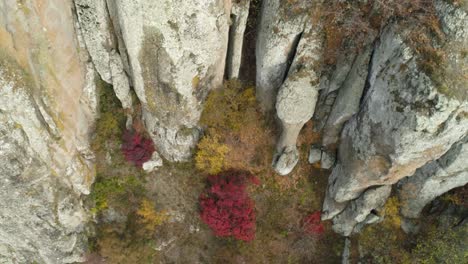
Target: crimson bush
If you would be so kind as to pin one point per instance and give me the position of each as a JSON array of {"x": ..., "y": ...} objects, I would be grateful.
[
  {"x": 226, "y": 207},
  {"x": 136, "y": 148},
  {"x": 313, "y": 224}
]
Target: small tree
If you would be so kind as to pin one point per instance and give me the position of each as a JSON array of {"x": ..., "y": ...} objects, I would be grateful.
[
  {"x": 226, "y": 207},
  {"x": 149, "y": 217},
  {"x": 313, "y": 224},
  {"x": 136, "y": 148}
]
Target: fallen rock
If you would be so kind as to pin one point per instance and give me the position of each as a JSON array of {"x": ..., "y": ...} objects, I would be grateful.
[
  {"x": 154, "y": 163},
  {"x": 286, "y": 161},
  {"x": 315, "y": 154},
  {"x": 328, "y": 159}
]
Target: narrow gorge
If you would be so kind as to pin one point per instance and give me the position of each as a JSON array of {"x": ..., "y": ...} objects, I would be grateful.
[{"x": 235, "y": 131}]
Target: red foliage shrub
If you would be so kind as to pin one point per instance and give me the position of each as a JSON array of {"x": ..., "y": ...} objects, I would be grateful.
[
  {"x": 226, "y": 207},
  {"x": 136, "y": 148},
  {"x": 313, "y": 224}
]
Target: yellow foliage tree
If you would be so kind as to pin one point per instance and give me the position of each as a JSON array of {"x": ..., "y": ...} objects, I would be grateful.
[
  {"x": 149, "y": 217},
  {"x": 237, "y": 137},
  {"x": 211, "y": 154},
  {"x": 392, "y": 214}
]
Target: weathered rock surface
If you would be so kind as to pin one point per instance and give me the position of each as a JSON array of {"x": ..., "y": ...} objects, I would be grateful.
[
  {"x": 286, "y": 162},
  {"x": 348, "y": 99},
  {"x": 315, "y": 154},
  {"x": 238, "y": 24},
  {"x": 96, "y": 29},
  {"x": 407, "y": 117},
  {"x": 278, "y": 37},
  {"x": 434, "y": 179},
  {"x": 289, "y": 48},
  {"x": 359, "y": 210},
  {"x": 328, "y": 159},
  {"x": 47, "y": 106},
  {"x": 176, "y": 55}
]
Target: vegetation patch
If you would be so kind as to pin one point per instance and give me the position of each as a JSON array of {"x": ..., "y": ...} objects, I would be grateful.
[{"x": 226, "y": 206}]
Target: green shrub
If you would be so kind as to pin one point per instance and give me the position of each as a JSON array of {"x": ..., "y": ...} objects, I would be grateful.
[
  {"x": 113, "y": 191},
  {"x": 442, "y": 246}
]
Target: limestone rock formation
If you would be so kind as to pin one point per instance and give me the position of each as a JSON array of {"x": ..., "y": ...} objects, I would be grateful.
[
  {"x": 289, "y": 49},
  {"x": 238, "y": 24},
  {"x": 406, "y": 118},
  {"x": 393, "y": 113},
  {"x": 434, "y": 179},
  {"x": 175, "y": 55},
  {"x": 47, "y": 109}
]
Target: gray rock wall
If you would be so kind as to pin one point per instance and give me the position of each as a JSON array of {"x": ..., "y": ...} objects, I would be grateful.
[
  {"x": 47, "y": 109},
  {"x": 288, "y": 53},
  {"x": 406, "y": 119},
  {"x": 394, "y": 121},
  {"x": 174, "y": 54},
  {"x": 434, "y": 179}
]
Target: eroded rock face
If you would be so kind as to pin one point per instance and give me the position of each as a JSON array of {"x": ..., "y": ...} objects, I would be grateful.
[
  {"x": 173, "y": 53},
  {"x": 359, "y": 210},
  {"x": 434, "y": 179},
  {"x": 406, "y": 118},
  {"x": 238, "y": 24},
  {"x": 289, "y": 49},
  {"x": 47, "y": 109},
  {"x": 278, "y": 37},
  {"x": 176, "y": 55}
]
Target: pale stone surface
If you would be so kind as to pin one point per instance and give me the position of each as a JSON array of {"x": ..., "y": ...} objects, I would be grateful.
[
  {"x": 286, "y": 162},
  {"x": 348, "y": 98},
  {"x": 358, "y": 210},
  {"x": 328, "y": 159},
  {"x": 346, "y": 252},
  {"x": 288, "y": 54},
  {"x": 47, "y": 106},
  {"x": 277, "y": 39},
  {"x": 434, "y": 179},
  {"x": 176, "y": 55},
  {"x": 153, "y": 163},
  {"x": 239, "y": 15},
  {"x": 96, "y": 30},
  {"x": 400, "y": 128},
  {"x": 295, "y": 102},
  {"x": 405, "y": 121},
  {"x": 315, "y": 154}
]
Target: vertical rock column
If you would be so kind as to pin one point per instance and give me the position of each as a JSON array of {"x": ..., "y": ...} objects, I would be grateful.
[
  {"x": 176, "y": 53},
  {"x": 238, "y": 23},
  {"x": 288, "y": 51},
  {"x": 100, "y": 38}
]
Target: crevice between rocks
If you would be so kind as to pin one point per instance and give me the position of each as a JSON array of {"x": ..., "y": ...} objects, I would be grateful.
[
  {"x": 230, "y": 51},
  {"x": 367, "y": 84},
  {"x": 292, "y": 55}
]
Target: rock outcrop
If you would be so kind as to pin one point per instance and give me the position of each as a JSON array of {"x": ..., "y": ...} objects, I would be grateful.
[
  {"x": 406, "y": 118},
  {"x": 289, "y": 49},
  {"x": 434, "y": 179},
  {"x": 47, "y": 109},
  {"x": 52, "y": 54},
  {"x": 175, "y": 55},
  {"x": 393, "y": 114}
]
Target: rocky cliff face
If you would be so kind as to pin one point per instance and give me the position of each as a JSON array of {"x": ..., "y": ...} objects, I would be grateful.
[
  {"x": 390, "y": 119},
  {"x": 406, "y": 119},
  {"x": 173, "y": 53},
  {"x": 47, "y": 107}
]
